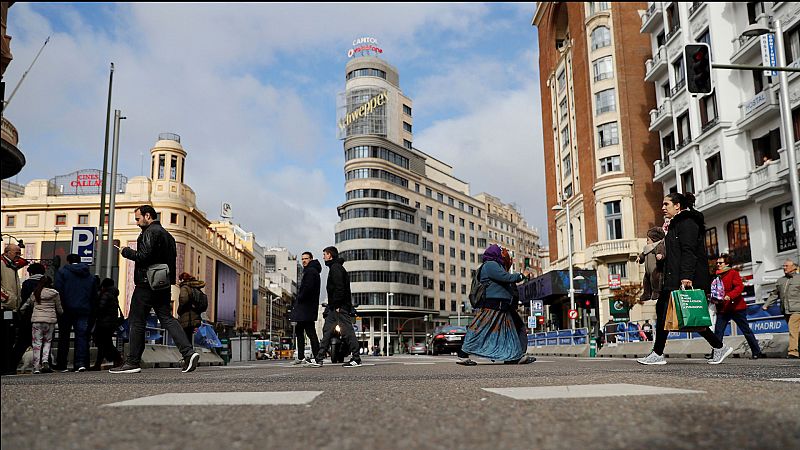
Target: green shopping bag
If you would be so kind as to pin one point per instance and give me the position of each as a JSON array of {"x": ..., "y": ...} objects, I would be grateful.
[{"x": 691, "y": 307}]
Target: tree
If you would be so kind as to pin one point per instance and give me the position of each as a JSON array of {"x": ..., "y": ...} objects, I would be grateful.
[{"x": 629, "y": 294}]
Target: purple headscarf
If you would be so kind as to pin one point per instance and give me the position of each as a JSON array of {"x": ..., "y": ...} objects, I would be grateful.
[{"x": 493, "y": 253}]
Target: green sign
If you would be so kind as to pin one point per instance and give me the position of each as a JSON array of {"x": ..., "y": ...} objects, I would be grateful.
[{"x": 617, "y": 307}]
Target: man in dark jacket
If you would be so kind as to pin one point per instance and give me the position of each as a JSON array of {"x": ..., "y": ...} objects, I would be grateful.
[
  {"x": 153, "y": 246},
  {"x": 306, "y": 307},
  {"x": 77, "y": 287},
  {"x": 340, "y": 309}
]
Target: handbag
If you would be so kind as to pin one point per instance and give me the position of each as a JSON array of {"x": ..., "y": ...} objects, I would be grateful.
[
  {"x": 158, "y": 277},
  {"x": 691, "y": 309}
]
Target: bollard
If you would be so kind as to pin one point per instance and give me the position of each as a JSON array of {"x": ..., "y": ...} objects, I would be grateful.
[{"x": 592, "y": 347}]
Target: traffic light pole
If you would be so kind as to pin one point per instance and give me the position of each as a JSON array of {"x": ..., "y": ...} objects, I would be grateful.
[{"x": 750, "y": 67}]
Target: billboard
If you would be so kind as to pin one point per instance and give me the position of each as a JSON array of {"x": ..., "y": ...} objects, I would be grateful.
[
  {"x": 85, "y": 182},
  {"x": 556, "y": 284},
  {"x": 362, "y": 111},
  {"x": 226, "y": 286}
]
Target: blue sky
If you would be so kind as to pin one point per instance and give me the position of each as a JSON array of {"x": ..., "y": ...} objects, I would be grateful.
[{"x": 251, "y": 89}]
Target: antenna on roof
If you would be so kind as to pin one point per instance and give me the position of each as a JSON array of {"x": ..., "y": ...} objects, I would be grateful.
[{"x": 6, "y": 102}]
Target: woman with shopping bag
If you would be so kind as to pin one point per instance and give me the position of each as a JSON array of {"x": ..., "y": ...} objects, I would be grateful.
[
  {"x": 685, "y": 267},
  {"x": 732, "y": 305}
]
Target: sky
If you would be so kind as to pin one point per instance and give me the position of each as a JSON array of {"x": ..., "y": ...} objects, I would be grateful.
[{"x": 251, "y": 89}]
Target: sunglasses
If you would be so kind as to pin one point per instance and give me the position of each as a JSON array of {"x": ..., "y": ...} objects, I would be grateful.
[{"x": 720, "y": 263}]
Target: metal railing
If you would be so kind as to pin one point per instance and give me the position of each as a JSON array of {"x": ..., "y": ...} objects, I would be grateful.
[{"x": 577, "y": 336}]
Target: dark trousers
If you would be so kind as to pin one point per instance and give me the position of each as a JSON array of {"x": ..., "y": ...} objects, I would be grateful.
[
  {"x": 661, "y": 333},
  {"x": 68, "y": 321},
  {"x": 740, "y": 318},
  {"x": 103, "y": 337},
  {"x": 9, "y": 331},
  {"x": 189, "y": 331},
  {"x": 300, "y": 330},
  {"x": 143, "y": 300},
  {"x": 345, "y": 323},
  {"x": 24, "y": 337}
]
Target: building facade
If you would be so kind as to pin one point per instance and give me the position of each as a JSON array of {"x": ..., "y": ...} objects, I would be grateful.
[
  {"x": 409, "y": 230},
  {"x": 506, "y": 227},
  {"x": 281, "y": 271},
  {"x": 45, "y": 213},
  {"x": 598, "y": 150},
  {"x": 727, "y": 147}
]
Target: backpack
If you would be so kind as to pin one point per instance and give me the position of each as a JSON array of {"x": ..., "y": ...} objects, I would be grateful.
[
  {"x": 477, "y": 292},
  {"x": 199, "y": 301},
  {"x": 717, "y": 290}
]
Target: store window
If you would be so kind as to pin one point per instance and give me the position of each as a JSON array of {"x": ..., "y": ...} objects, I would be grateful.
[
  {"x": 739, "y": 240},
  {"x": 784, "y": 227}
]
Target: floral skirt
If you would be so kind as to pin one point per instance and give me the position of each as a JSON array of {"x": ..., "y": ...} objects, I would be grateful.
[{"x": 494, "y": 335}]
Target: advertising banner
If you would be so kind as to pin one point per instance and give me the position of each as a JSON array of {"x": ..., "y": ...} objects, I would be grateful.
[{"x": 227, "y": 293}]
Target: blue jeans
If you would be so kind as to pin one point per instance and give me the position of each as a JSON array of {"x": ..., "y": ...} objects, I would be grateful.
[
  {"x": 80, "y": 323},
  {"x": 740, "y": 318}
]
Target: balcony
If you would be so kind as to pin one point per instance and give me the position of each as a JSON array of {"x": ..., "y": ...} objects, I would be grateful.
[
  {"x": 696, "y": 6},
  {"x": 652, "y": 18},
  {"x": 677, "y": 88},
  {"x": 722, "y": 193},
  {"x": 656, "y": 66},
  {"x": 683, "y": 143},
  {"x": 661, "y": 116},
  {"x": 762, "y": 106},
  {"x": 674, "y": 31},
  {"x": 764, "y": 179},
  {"x": 605, "y": 249},
  {"x": 746, "y": 49},
  {"x": 663, "y": 167}
]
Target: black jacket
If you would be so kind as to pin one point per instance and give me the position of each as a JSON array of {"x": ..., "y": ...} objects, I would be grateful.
[
  {"x": 685, "y": 257},
  {"x": 153, "y": 246},
  {"x": 107, "y": 309},
  {"x": 338, "y": 286},
  {"x": 306, "y": 304}
]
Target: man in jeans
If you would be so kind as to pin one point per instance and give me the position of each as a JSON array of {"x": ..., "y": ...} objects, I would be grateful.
[
  {"x": 153, "y": 246},
  {"x": 340, "y": 309},
  {"x": 787, "y": 289},
  {"x": 78, "y": 288},
  {"x": 306, "y": 308}
]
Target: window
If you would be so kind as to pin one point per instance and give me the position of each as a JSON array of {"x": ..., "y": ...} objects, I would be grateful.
[
  {"x": 601, "y": 37},
  {"x": 714, "y": 169},
  {"x": 452, "y": 235},
  {"x": 618, "y": 268},
  {"x": 603, "y": 68},
  {"x": 607, "y": 134},
  {"x": 452, "y": 252},
  {"x": 568, "y": 191},
  {"x": 754, "y": 9},
  {"x": 441, "y": 287},
  {"x": 452, "y": 218},
  {"x": 673, "y": 20},
  {"x": 712, "y": 246},
  {"x": 668, "y": 143},
  {"x": 429, "y": 210},
  {"x": 83, "y": 219},
  {"x": 784, "y": 227},
  {"x": 677, "y": 70},
  {"x": 453, "y": 304},
  {"x": 441, "y": 267},
  {"x": 453, "y": 290},
  {"x": 610, "y": 164},
  {"x": 566, "y": 166},
  {"x": 796, "y": 123},
  {"x": 605, "y": 101},
  {"x": 760, "y": 81},
  {"x": 440, "y": 214},
  {"x": 461, "y": 222},
  {"x": 453, "y": 270},
  {"x": 665, "y": 89},
  {"x": 407, "y": 144},
  {"x": 472, "y": 224},
  {"x": 463, "y": 255},
  {"x": 441, "y": 231},
  {"x": 367, "y": 151},
  {"x": 450, "y": 201},
  {"x": 406, "y": 110},
  {"x": 441, "y": 303},
  {"x": 661, "y": 39},
  {"x": 471, "y": 241},
  {"x": 376, "y": 173},
  {"x": 684, "y": 131},
  {"x": 792, "y": 44},
  {"x": 463, "y": 289},
  {"x": 565, "y": 137},
  {"x": 462, "y": 238},
  {"x": 173, "y": 168},
  {"x": 441, "y": 249},
  {"x": 739, "y": 240},
  {"x": 708, "y": 110},
  {"x": 428, "y": 192},
  {"x": 440, "y": 197},
  {"x": 687, "y": 181},
  {"x": 61, "y": 219},
  {"x": 613, "y": 220},
  {"x": 767, "y": 146},
  {"x": 161, "y": 164},
  {"x": 461, "y": 207},
  {"x": 596, "y": 7},
  {"x": 562, "y": 80},
  {"x": 705, "y": 38},
  {"x": 562, "y": 107},
  {"x": 366, "y": 73},
  {"x": 11, "y": 221}
]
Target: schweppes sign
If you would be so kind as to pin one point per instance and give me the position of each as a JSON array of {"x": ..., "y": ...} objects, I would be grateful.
[{"x": 364, "y": 109}]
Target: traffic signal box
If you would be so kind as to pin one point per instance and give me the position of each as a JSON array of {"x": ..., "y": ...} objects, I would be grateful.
[
  {"x": 697, "y": 61},
  {"x": 587, "y": 303}
]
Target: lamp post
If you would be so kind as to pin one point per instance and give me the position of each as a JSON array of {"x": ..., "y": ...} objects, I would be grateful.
[
  {"x": 55, "y": 240},
  {"x": 787, "y": 129},
  {"x": 389, "y": 296},
  {"x": 559, "y": 207}
]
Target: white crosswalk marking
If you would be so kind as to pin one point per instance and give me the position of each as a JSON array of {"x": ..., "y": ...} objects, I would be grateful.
[
  {"x": 791, "y": 380},
  {"x": 584, "y": 391},
  {"x": 224, "y": 398}
]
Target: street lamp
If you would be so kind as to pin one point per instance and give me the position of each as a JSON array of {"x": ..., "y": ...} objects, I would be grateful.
[
  {"x": 389, "y": 296},
  {"x": 758, "y": 29},
  {"x": 559, "y": 207}
]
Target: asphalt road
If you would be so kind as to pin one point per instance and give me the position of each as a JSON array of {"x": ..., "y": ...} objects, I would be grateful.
[{"x": 419, "y": 402}]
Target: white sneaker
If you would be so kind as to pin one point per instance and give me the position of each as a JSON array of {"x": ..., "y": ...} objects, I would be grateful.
[
  {"x": 298, "y": 362},
  {"x": 652, "y": 359},
  {"x": 81, "y": 369},
  {"x": 720, "y": 354}
]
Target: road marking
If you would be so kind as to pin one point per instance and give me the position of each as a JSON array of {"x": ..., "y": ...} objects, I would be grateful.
[
  {"x": 585, "y": 391},
  {"x": 224, "y": 398},
  {"x": 420, "y": 364},
  {"x": 238, "y": 367},
  {"x": 791, "y": 380}
]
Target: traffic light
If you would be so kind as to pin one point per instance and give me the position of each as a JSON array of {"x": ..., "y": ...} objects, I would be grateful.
[
  {"x": 697, "y": 60},
  {"x": 587, "y": 303}
]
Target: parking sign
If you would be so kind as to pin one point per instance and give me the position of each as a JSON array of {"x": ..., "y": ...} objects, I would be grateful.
[{"x": 83, "y": 243}]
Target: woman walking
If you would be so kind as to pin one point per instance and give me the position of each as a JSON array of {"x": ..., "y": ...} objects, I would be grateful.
[
  {"x": 685, "y": 266},
  {"x": 108, "y": 313},
  {"x": 732, "y": 306},
  {"x": 493, "y": 333},
  {"x": 189, "y": 318},
  {"x": 46, "y": 309}
]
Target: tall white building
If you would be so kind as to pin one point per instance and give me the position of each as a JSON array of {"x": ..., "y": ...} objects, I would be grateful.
[{"x": 716, "y": 145}]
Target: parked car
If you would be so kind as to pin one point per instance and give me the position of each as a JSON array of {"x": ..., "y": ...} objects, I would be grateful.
[
  {"x": 420, "y": 348},
  {"x": 447, "y": 339}
]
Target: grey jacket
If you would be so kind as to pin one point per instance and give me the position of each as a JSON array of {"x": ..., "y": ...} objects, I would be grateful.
[
  {"x": 648, "y": 256},
  {"x": 48, "y": 310},
  {"x": 788, "y": 290}
]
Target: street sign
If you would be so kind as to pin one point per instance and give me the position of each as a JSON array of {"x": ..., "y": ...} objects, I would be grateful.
[
  {"x": 614, "y": 281},
  {"x": 531, "y": 321},
  {"x": 541, "y": 319},
  {"x": 768, "y": 57},
  {"x": 357, "y": 326},
  {"x": 538, "y": 307},
  {"x": 83, "y": 243},
  {"x": 573, "y": 314}
]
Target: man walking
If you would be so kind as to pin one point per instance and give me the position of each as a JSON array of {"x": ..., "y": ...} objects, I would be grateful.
[
  {"x": 10, "y": 301},
  {"x": 788, "y": 290},
  {"x": 153, "y": 246},
  {"x": 340, "y": 309},
  {"x": 77, "y": 288},
  {"x": 306, "y": 307}
]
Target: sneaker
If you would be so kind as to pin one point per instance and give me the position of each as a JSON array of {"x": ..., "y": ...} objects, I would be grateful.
[
  {"x": 720, "y": 354},
  {"x": 652, "y": 359},
  {"x": 466, "y": 362},
  {"x": 298, "y": 362},
  {"x": 81, "y": 369},
  {"x": 37, "y": 371},
  {"x": 352, "y": 363},
  {"x": 758, "y": 356},
  {"x": 315, "y": 363},
  {"x": 527, "y": 359},
  {"x": 191, "y": 362},
  {"x": 46, "y": 369},
  {"x": 126, "y": 368}
]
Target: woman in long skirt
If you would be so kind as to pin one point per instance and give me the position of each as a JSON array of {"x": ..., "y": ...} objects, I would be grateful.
[{"x": 493, "y": 333}]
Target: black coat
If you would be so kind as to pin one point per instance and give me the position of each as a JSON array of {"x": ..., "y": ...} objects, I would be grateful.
[
  {"x": 306, "y": 304},
  {"x": 338, "y": 286},
  {"x": 153, "y": 246},
  {"x": 685, "y": 257},
  {"x": 107, "y": 309}
]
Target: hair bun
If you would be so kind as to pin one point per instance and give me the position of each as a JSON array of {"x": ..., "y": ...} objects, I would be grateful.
[{"x": 690, "y": 199}]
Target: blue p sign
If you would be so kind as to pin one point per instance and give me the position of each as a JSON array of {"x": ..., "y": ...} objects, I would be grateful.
[{"x": 83, "y": 243}]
